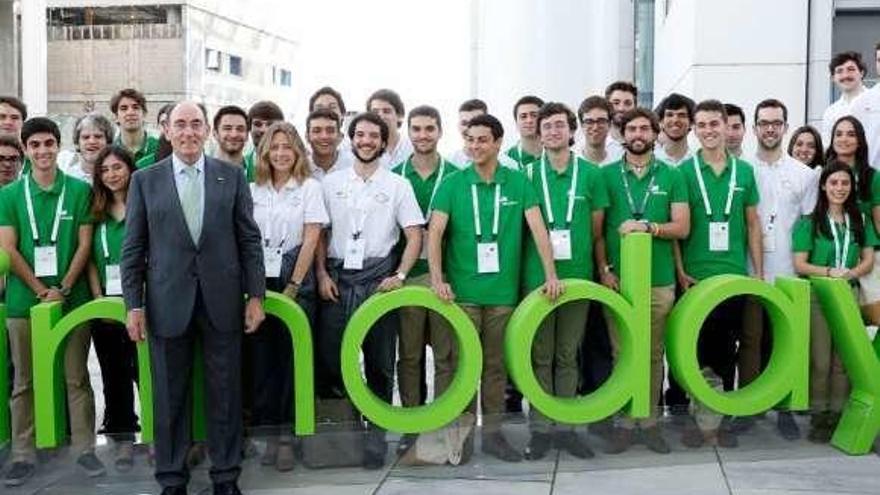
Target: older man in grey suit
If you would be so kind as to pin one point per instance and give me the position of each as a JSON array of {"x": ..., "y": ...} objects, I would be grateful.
[{"x": 191, "y": 254}]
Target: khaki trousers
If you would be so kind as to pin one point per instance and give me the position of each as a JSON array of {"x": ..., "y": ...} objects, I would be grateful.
[
  {"x": 662, "y": 300},
  {"x": 418, "y": 327},
  {"x": 80, "y": 399},
  {"x": 829, "y": 386},
  {"x": 555, "y": 353}
]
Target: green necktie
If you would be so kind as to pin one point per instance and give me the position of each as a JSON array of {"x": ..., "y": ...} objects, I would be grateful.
[{"x": 190, "y": 200}]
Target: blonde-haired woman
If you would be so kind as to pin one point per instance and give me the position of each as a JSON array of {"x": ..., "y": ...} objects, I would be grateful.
[{"x": 289, "y": 209}]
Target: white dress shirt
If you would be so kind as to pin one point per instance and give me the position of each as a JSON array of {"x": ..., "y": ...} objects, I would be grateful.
[
  {"x": 282, "y": 214},
  {"x": 836, "y": 110},
  {"x": 866, "y": 108},
  {"x": 394, "y": 157},
  {"x": 180, "y": 179},
  {"x": 379, "y": 207}
]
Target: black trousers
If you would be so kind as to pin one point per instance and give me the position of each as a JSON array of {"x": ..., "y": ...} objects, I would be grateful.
[
  {"x": 717, "y": 345},
  {"x": 117, "y": 355},
  {"x": 172, "y": 363}
]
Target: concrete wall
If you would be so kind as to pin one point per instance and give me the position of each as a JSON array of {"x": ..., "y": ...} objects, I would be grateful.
[{"x": 8, "y": 49}]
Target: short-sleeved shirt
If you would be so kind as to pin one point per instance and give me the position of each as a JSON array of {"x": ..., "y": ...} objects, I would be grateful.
[
  {"x": 146, "y": 161},
  {"x": 788, "y": 191},
  {"x": 115, "y": 236},
  {"x": 392, "y": 157},
  {"x": 250, "y": 166},
  {"x": 589, "y": 197},
  {"x": 379, "y": 207},
  {"x": 699, "y": 261},
  {"x": 344, "y": 160},
  {"x": 74, "y": 214},
  {"x": 865, "y": 206},
  {"x": 520, "y": 156},
  {"x": 667, "y": 187},
  {"x": 866, "y": 108},
  {"x": 425, "y": 190},
  {"x": 821, "y": 247},
  {"x": 460, "y": 255},
  {"x": 661, "y": 154},
  {"x": 281, "y": 214},
  {"x": 148, "y": 147}
]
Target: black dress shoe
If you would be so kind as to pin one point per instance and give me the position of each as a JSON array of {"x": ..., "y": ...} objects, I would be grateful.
[
  {"x": 174, "y": 490},
  {"x": 226, "y": 488}
]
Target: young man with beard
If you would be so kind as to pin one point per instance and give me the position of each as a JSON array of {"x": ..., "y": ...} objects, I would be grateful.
[
  {"x": 622, "y": 96},
  {"x": 425, "y": 170},
  {"x": 676, "y": 114},
  {"x": 572, "y": 200},
  {"x": 262, "y": 114},
  {"x": 231, "y": 127},
  {"x": 368, "y": 207},
  {"x": 129, "y": 106},
  {"x": 324, "y": 134},
  {"x": 725, "y": 233},
  {"x": 474, "y": 255},
  {"x": 594, "y": 114},
  {"x": 648, "y": 195},
  {"x": 788, "y": 191},
  {"x": 736, "y": 129},
  {"x": 848, "y": 73},
  {"x": 528, "y": 149},
  {"x": 164, "y": 147},
  {"x": 389, "y": 107}
]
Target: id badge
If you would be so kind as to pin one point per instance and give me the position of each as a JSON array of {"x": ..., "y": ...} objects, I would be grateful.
[
  {"x": 769, "y": 238},
  {"x": 45, "y": 261},
  {"x": 561, "y": 242},
  {"x": 114, "y": 281},
  {"x": 487, "y": 257},
  {"x": 272, "y": 261},
  {"x": 423, "y": 255},
  {"x": 719, "y": 236},
  {"x": 355, "y": 251}
]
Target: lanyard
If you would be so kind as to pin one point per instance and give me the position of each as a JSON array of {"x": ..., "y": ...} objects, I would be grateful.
[
  {"x": 104, "y": 246},
  {"x": 698, "y": 165},
  {"x": 840, "y": 252},
  {"x": 274, "y": 216},
  {"x": 29, "y": 203},
  {"x": 569, "y": 212},
  {"x": 638, "y": 214},
  {"x": 478, "y": 228},
  {"x": 441, "y": 169},
  {"x": 359, "y": 207}
]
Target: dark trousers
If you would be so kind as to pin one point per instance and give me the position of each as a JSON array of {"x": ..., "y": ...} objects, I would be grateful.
[
  {"x": 716, "y": 347},
  {"x": 675, "y": 398},
  {"x": 172, "y": 363},
  {"x": 595, "y": 353},
  {"x": 117, "y": 356}
]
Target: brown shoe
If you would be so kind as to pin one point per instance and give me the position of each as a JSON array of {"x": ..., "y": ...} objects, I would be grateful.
[
  {"x": 692, "y": 436},
  {"x": 270, "y": 455},
  {"x": 619, "y": 441},
  {"x": 285, "y": 459},
  {"x": 654, "y": 441}
]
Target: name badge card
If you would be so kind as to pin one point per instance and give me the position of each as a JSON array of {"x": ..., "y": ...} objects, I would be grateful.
[
  {"x": 45, "y": 261},
  {"x": 719, "y": 236},
  {"x": 561, "y": 242},
  {"x": 114, "y": 280},
  {"x": 769, "y": 238},
  {"x": 272, "y": 261},
  {"x": 487, "y": 257},
  {"x": 355, "y": 252}
]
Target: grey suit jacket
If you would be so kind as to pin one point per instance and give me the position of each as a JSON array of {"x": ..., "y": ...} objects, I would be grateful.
[{"x": 163, "y": 270}]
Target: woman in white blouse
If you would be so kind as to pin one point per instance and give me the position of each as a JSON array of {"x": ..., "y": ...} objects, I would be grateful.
[{"x": 289, "y": 209}]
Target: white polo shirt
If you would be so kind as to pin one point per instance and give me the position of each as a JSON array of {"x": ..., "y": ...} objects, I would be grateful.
[
  {"x": 461, "y": 160},
  {"x": 788, "y": 190},
  {"x": 282, "y": 214},
  {"x": 866, "y": 108},
  {"x": 836, "y": 110},
  {"x": 344, "y": 160},
  {"x": 660, "y": 154},
  {"x": 613, "y": 148},
  {"x": 378, "y": 207},
  {"x": 393, "y": 157},
  {"x": 71, "y": 164}
]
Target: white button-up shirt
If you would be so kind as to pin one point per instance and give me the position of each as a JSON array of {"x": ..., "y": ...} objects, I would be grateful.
[
  {"x": 378, "y": 207},
  {"x": 866, "y": 108},
  {"x": 788, "y": 190},
  {"x": 180, "y": 179},
  {"x": 393, "y": 157},
  {"x": 836, "y": 110},
  {"x": 344, "y": 160},
  {"x": 282, "y": 214},
  {"x": 660, "y": 154}
]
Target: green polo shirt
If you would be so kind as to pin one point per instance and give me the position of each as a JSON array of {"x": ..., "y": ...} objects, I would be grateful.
[
  {"x": 148, "y": 147},
  {"x": 866, "y": 206},
  {"x": 699, "y": 261},
  {"x": 589, "y": 196},
  {"x": 521, "y": 160},
  {"x": 423, "y": 189},
  {"x": 146, "y": 161},
  {"x": 821, "y": 247},
  {"x": 75, "y": 213},
  {"x": 460, "y": 258},
  {"x": 250, "y": 168},
  {"x": 667, "y": 187},
  {"x": 115, "y": 236}
]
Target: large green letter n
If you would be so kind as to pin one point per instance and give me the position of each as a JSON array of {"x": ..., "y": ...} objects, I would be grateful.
[{"x": 628, "y": 387}]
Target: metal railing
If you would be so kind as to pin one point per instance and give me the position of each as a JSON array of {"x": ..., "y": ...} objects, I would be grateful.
[{"x": 115, "y": 32}]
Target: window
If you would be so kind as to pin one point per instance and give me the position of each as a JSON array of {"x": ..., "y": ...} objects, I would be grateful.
[
  {"x": 286, "y": 78},
  {"x": 644, "y": 51},
  {"x": 212, "y": 59},
  {"x": 235, "y": 65}
]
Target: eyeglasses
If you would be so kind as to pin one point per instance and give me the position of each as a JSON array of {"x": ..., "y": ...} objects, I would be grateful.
[
  {"x": 772, "y": 124},
  {"x": 10, "y": 158},
  {"x": 595, "y": 122}
]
